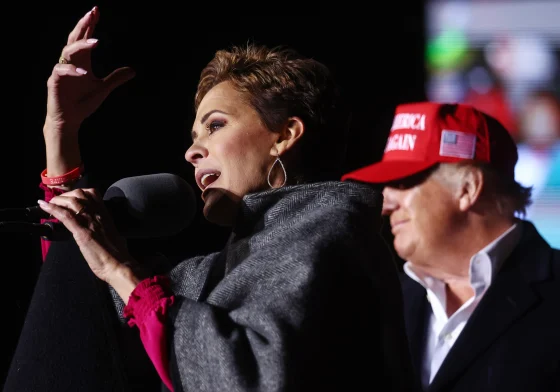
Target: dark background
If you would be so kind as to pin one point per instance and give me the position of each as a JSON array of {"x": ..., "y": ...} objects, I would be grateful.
[{"x": 143, "y": 127}]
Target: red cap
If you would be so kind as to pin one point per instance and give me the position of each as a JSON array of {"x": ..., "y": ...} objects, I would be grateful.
[{"x": 426, "y": 133}]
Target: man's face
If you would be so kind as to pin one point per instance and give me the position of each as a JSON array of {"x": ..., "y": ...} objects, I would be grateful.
[{"x": 423, "y": 211}]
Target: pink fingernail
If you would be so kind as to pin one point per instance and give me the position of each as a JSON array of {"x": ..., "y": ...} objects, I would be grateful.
[
  {"x": 81, "y": 71},
  {"x": 91, "y": 40}
]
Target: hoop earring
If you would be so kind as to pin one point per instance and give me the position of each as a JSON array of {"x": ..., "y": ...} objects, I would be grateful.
[{"x": 270, "y": 171}]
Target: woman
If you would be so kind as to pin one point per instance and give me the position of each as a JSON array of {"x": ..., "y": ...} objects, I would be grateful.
[{"x": 305, "y": 295}]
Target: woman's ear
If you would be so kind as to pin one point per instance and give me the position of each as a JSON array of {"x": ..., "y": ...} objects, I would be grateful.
[
  {"x": 291, "y": 132},
  {"x": 472, "y": 184}
]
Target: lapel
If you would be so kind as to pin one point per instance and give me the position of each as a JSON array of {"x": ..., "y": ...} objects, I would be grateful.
[
  {"x": 416, "y": 311},
  {"x": 509, "y": 297}
]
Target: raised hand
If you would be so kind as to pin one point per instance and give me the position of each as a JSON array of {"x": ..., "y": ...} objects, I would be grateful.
[{"x": 74, "y": 92}]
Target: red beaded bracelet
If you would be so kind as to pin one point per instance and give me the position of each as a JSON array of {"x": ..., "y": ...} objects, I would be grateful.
[{"x": 71, "y": 176}]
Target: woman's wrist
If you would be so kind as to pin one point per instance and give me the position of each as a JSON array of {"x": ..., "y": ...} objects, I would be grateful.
[
  {"x": 125, "y": 279},
  {"x": 53, "y": 128},
  {"x": 62, "y": 148}
]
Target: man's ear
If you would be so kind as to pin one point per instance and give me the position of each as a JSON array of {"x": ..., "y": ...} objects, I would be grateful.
[
  {"x": 291, "y": 132},
  {"x": 471, "y": 187}
]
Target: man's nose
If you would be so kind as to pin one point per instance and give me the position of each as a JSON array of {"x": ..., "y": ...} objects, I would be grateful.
[{"x": 390, "y": 201}]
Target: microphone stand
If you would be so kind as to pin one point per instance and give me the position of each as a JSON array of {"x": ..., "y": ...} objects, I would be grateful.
[
  {"x": 25, "y": 227},
  {"x": 47, "y": 230},
  {"x": 17, "y": 214}
]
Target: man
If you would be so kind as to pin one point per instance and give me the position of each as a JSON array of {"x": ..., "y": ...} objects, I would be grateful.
[{"x": 481, "y": 286}]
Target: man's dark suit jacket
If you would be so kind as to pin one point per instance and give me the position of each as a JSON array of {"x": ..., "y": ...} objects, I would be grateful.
[{"x": 512, "y": 340}]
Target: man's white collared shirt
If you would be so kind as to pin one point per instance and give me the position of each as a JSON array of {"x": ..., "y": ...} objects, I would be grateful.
[{"x": 442, "y": 331}]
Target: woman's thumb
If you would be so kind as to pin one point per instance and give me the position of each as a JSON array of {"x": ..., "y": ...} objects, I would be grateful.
[{"x": 116, "y": 78}]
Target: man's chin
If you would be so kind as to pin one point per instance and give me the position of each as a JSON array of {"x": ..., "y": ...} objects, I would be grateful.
[
  {"x": 403, "y": 250},
  {"x": 220, "y": 207}
]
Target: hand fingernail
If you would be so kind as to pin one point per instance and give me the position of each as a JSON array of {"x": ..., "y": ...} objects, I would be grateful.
[
  {"x": 91, "y": 40},
  {"x": 42, "y": 203},
  {"x": 81, "y": 71}
]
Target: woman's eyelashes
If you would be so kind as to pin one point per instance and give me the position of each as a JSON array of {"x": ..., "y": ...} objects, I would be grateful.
[{"x": 214, "y": 125}]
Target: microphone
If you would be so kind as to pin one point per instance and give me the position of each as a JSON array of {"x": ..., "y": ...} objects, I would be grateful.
[{"x": 147, "y": 206}]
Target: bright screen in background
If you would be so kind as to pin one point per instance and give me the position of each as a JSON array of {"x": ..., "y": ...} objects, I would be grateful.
[{"x": 503, "y": 57}]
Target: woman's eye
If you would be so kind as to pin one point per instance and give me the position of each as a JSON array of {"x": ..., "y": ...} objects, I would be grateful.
[{"x": 213, "y": 126}]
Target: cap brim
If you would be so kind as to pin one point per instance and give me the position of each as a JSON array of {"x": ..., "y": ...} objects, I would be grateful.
[{"x": 384, "y": 172}]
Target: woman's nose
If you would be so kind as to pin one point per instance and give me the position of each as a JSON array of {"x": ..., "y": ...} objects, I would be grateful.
[{"x": 195, "y": 153}]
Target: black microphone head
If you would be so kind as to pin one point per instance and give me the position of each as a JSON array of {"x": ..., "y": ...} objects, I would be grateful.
[{"x": 151, "y": 206}]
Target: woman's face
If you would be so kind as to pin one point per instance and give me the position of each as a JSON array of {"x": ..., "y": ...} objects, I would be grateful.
[{"x": 232, "y": 151}]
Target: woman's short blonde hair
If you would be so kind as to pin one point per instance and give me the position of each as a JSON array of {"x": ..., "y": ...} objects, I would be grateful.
[{"x": 279, "y": 83}]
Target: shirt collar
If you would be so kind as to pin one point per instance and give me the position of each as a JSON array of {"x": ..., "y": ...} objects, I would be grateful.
[{"x": 483, "y": 265}]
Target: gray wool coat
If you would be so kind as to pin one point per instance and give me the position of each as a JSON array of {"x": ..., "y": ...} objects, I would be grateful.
[{"x": 305, "y": 296}]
